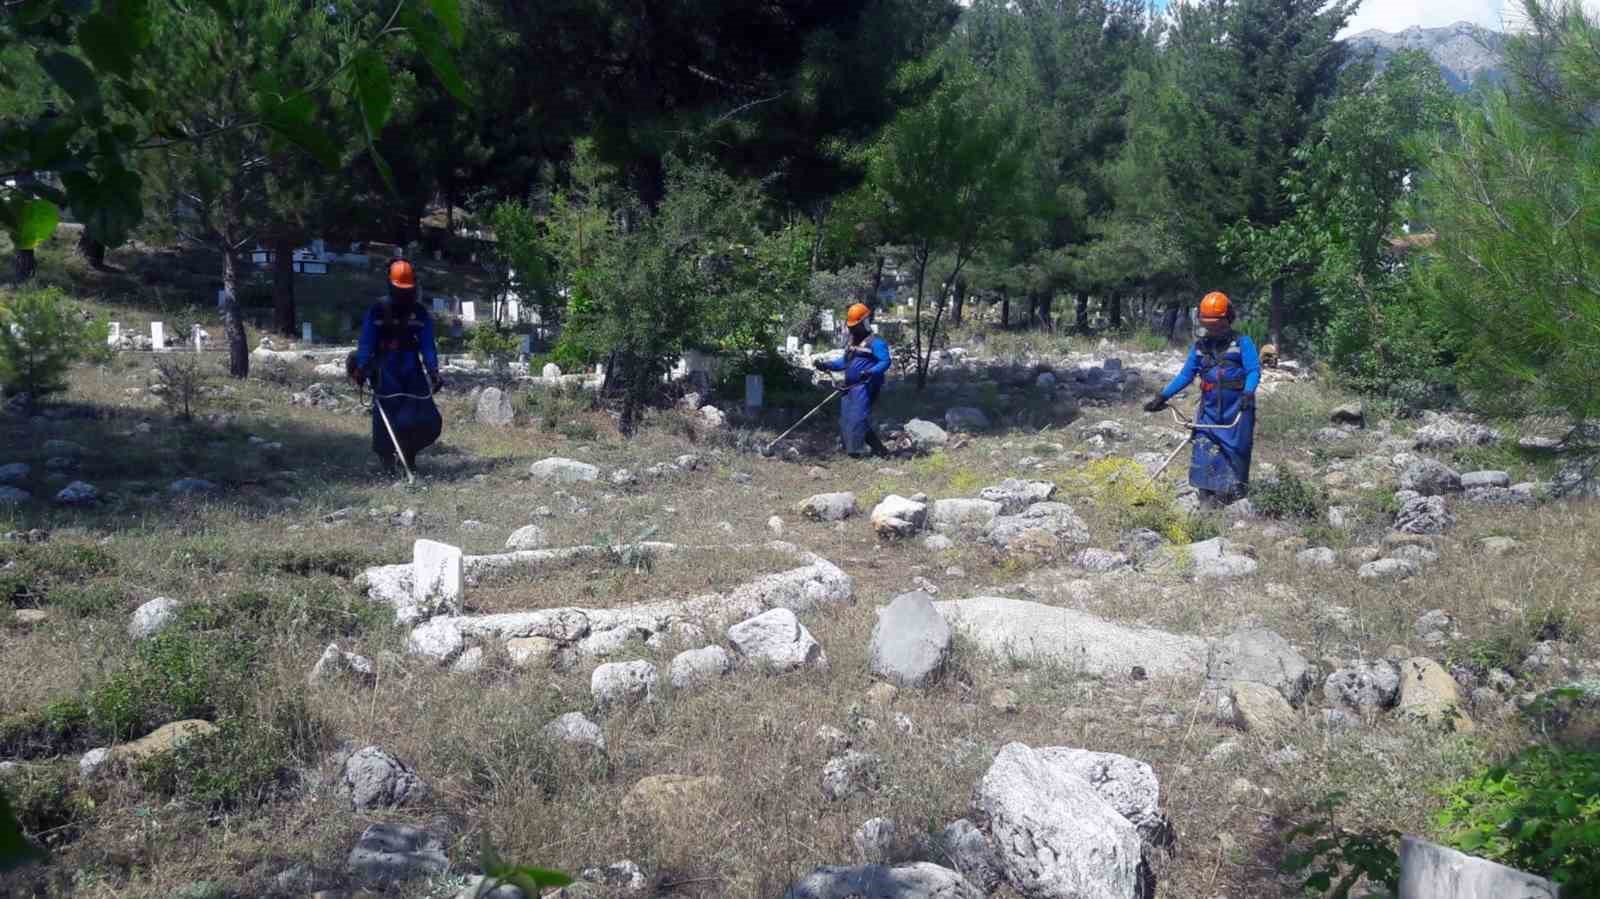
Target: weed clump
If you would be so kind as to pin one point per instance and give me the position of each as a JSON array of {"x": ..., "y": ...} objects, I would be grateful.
[
  {"x": 1123, "y": 489},
  {"x": 1288, "y": 496}
]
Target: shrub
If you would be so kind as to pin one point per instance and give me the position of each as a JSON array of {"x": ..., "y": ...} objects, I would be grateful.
[
  {"x": 1289, "y": 497},
  {"x": 1333, "y": 859},
  {"x": 1122, "y": 488},
  {"x": 1536, "y": 812},
  {"x": 178, "y": 673},
  {"x": 495, "y": 346},
  {"x": 180, "y": 381},
  {"x": 41, "y": 335},
  {"x": 249, "y": 760}
]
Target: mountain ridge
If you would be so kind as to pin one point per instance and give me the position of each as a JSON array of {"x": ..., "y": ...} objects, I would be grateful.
[{"x": 1468, "y": 55}]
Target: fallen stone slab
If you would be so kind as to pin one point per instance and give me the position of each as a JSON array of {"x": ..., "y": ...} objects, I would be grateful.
[
  {"x": 910, "y": 642},
  {"x": 1013, "y": 628},
  {"x": 777, "y": 640},
  {"x": 948, "y": 515},
  {"x": 1431, "y": 871},
  {"x": 391, "y": 853},
  {"x": 920, "y": 880}
]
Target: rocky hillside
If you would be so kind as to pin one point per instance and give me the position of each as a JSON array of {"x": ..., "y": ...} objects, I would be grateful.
[{"x": 1468, "y": 56}]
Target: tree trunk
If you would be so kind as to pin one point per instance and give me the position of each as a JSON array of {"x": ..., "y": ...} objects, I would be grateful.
[
  {"x": 922, "y": 366},
  {"x": 92, "y": 251},
  {"x": 1005, "y": 308},
  {"x": 1114, "y": 310},
  {"x": 23, "y": 266},
  {"x": 1047, "y": 314},
  {"x": 232, "y": 320},
  {"x": 1081, "y": 321},
  {"x": 1170, "y": 325},
  {"x": 283, "y": 312},
  {"x": 877, "y": 284},
  {"x": 1275, "y": 321},
  {"x": 957, "y": 301}
]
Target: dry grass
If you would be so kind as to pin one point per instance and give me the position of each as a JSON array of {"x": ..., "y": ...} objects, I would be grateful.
[{"x": 278, "y": 533}]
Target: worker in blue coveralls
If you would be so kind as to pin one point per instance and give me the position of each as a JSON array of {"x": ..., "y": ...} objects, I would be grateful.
[
  {"x": 865, "y": 362},
  {"x": 1229, "y": 370},
  {"x": 397, "y": 353}
]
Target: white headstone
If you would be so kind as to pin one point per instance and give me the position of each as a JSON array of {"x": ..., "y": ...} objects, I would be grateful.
[
  {"x": 552, "y": 371},
  {"x": 792, "y": 344},
  {"x": 752, "y": 391},
  {"x": 827, "y": 321},
  {"x": 305, "y": 332},
  {"x": 115, "y": 337},
  {"x": 319, "y": 247},
  {"x": 158, "y": 336},
  {"x": 469, "y": 311},
  {"x": 513, "y": 311},
  {"x": 806, "y": 350},
  {"x": 438, "y": 304},
  {"x": 436, "y": 575},
  {"x": 198, "y": 335}
]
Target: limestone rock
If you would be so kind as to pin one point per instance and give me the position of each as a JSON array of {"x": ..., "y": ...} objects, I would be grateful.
[
  {"x": 14, "y": 496},
  {"x": 898, "y": 517},
  {"x": 1445, "y": 433},
  {"x": 1316, "y": 557},
  {"x": 494, "y": 408},
  {"x": 828, "y": 506},
  {"x": 910, "y": 642},
  {"x": 531, "y": 652},
  {"x": 1431, "y": 871},
  {"x": 336, "y": 662},
  {"x": 971, "y": 853},
  {"x": 949, "y": 515},
  {"x": 437, "y": 638},
  {"x": 192, "y": 487},
  {"x": 1424, "y": 515},
  {"x": 1127, "y": 785},
  {"x": 392, "y": 853},
  {"x": 925, "y": 435},
  {"x": 529, "y": 536},
  {"x": 563, "y": 471},
  {"x": 1015, "y": 495},
  {"x": 919, "y": 880},
  {"x": 153, "y": 617},
  {"x": 1216, "y": 560},
  {"x": 696, "y": 668},
  {"x": 1264, "y": 657},
  {"x": 1349, "y": 414},
  {"x": 373, "y": 779},
  {"x": 1430, "y": 477},
  {"x": 1389, "y": 570},
  {"x": 665, "y": 801},
  {"x": 1056, "y": 838},
  {"x": 1257, "y": 708},
  {"x": 777, "y": 640},
  {"x": 437, "y": 581},
  {"x": 1011, "y": 628},
  {"x": 163, "y": 740},
  {"x": 1100, "y": 560},
  {"x": 78, "y": 493},
  {"x": 574, "y": 729},
  {"x": 1429, "y": 693},
  {"x": 850, "y": 774},
  {"x": 1474, "y": 479},
  {"x": 1365, "y": 687},
  {"x": 1049, "y": 529},
  {"x": 14, "y": 473},
  {"x": 623, "y": 683}
]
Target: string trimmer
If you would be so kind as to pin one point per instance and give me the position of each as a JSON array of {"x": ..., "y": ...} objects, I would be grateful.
[
  {"x": 832, "y": 393},
  {"x": 1194, "y": 428}
]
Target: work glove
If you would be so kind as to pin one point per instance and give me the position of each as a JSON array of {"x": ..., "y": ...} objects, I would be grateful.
[
  {"x": 819, "y": 365},
  {"x": 435, "y": 381},
  {"x": 1248, "y": 403},
  {"x": 1156, "y": 404}
]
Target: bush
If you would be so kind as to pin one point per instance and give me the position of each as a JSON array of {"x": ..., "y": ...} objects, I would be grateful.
[
  {"x": 248, "y": 761},
  {"x": 1539, "y": 812},
  {"x": 41, "y": 335},
  {"x": 1122, "y": 488},
  {"x": 1333, "y": 859},
  {"x": 495, "y": 346},
  {"x": 178, "y": 673},
  {"x": 1289, "y": 497},
  {"x": 180, "y": 381}
]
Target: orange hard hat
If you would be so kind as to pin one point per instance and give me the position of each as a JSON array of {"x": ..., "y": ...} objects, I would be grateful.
[
  {"x": 1214, "y": 306},
  {"x": 401, "y": 274},
  {"x": 856, "y": 314}
]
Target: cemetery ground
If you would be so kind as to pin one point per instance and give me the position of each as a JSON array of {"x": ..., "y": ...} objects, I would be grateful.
[{"x": 264, "y": 560}]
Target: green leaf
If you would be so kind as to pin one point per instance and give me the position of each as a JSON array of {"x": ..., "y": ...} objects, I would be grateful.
[
  {"x": 384, "y": 171},
  {"x": 32, "y": 12},
  {"x": 288, "y": 122},
  {"x": 223, "y": 9},
  {"x": 33, "y": 221},
  {"x": 373, "y": 89},
  {"x": 72, "y": 75},
  {"x": 109, "y": 207},
  {"x": 448, "y": 12},
  {"x": 539, "y": 878},
  {"x": 47, "y": 142},
  {"x": 438, "y": 56},
  {"x": 15, "y": 850}
]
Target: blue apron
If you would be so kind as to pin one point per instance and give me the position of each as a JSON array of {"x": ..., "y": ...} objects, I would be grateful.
[
  {"x": 412, "y": 413},
  {"x": 855, "y": 407},
  {"x": 1221, "y": 460}
]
